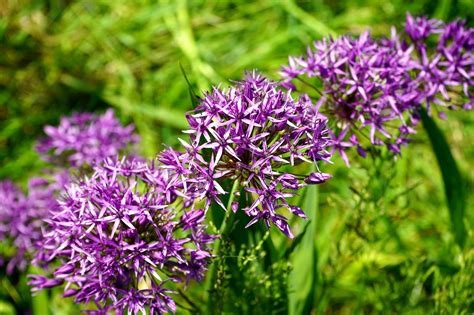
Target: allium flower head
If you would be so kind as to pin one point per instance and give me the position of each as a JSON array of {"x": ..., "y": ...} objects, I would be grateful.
[
  {"x": 371, "y": 89},
  {"x": 12, "y": 202},
  {"x": 443, "y": 72},
  {"x": 21, "y": 219},
  {"x": 120, "y": 236},
  {"x": 250, "y": 132},
  {"x": 365, "y": 89},
  {"x": 419, "y": 28},
  {"x": 86, "y": 138}
]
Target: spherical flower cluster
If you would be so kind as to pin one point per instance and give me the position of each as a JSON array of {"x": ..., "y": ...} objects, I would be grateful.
[
  {"x": 12, "y": 203},
  {"x": 371, "y": 89},
  {"x": 121, "y": 235},
  {"x": 21, "y": 219},
  {"x": 250, "y": 132},
  {"x": 82, "y": 139},
  {"x": 444, "y": 72},
  {"x": 365, "y": 90},
  {"x": 85, "y": 138}
]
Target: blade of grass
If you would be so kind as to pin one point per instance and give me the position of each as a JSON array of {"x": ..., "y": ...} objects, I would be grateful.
[
  {"x": 168, "y": 116},
  {"x": 453, "y": 182},
  {"x": 6, "y": 308},
  {"x": 302, "y": 279},
  {"x": 40, "y": 303},
  {"x": 317, "y": 26},
  {"x": 192, "y": 94},
  {"x": 179, "y": 25},
  {"x": 297, "y": 241},
  {"x": 442, "y": 9}
]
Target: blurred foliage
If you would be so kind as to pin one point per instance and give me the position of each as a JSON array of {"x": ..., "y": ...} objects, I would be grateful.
[
  {"x": 248, "y": 282},
  {"x": 382, "y": 240},
  {"x": 389, "y": 244},
  {"x": 62, "y": 56}
]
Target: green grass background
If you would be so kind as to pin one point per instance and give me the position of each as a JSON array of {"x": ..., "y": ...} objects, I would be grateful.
[{"x": 382, "y": 233}]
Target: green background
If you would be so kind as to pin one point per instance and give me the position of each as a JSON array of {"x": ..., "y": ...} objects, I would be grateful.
[{"x": 382, "y": 233}]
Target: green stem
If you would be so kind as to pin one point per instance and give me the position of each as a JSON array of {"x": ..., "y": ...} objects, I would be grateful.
[
  {"x": 224, "y": 230},
  {"x": 310, "y": 85}
]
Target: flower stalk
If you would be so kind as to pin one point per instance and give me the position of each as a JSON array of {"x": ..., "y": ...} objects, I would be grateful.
[{"x": 224, "y": 230}]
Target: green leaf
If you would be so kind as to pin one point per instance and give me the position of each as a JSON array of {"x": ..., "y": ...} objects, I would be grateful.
[
  {"x": 217, "y": 214},
  {"x": 192, "y": 94},
  {"x": 454, "y": 185},
  {"x": 298, "y": 239},
  {"x": 307, "y": 19},
  {"x": 41, "y": 303},
  {"x": 303, "y": 277},
  {"x": 442, "y": 9},
  {"x": 171, "y": 117},
  {"x": 6, "y": 308}
]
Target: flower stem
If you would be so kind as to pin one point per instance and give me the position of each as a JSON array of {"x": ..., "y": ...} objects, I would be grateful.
[
  {"x": 224, "y": 230},
  {"x": 310, "y": 85}
]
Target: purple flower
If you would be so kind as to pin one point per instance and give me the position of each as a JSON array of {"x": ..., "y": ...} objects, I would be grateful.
[
  {"x": 317, "y": 178},
  {"x": 444, "y": 73},
  {"x": 250, "y": 132},
  {"x": 120, "y": 234},
  {"x": 365, "y": 87},
  {"x": 12, "y": 203},
  {"x": 21, "y": 218},
  {"x": 419, "y": 28},
  {"x": 371, "y": 89},
  {"x": 85, "y": 138}
]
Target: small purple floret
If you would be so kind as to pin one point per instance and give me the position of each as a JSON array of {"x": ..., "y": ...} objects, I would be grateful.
[{"x": 317, "y": 178}]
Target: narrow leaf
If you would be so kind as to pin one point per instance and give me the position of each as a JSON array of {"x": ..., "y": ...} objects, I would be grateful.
[
  {"x": 298, "y": 239},
  {"x": 172, "y": 117},
  {"x": 302, "y": 279},
  {"x": 192, "y": 94},
  {"x": 454, "y": 185},
  {"x": 307, "y": 19}
]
